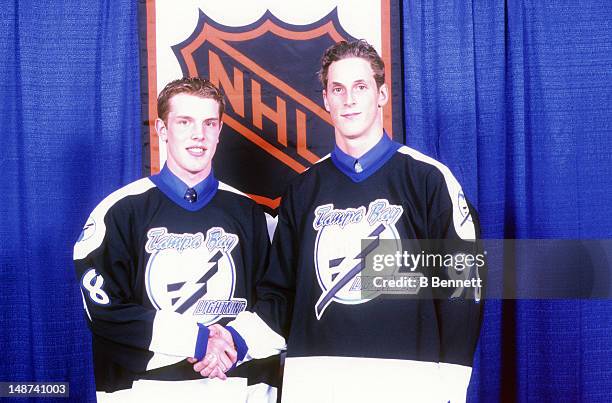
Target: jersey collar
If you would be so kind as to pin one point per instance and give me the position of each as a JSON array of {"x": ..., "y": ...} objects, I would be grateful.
[
  {"x": 370, "y": 162},
  {"x": 175, "y": 189}
]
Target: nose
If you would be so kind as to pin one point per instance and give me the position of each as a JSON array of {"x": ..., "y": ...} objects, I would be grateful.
[
  {"x": 197, "y": 132},
  {"x": 350, "y": 98}
]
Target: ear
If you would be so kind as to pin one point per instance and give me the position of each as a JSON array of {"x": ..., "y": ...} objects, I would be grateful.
[
  {"x": 160, "y": 128},
  {"x": 383, "y": 95},
  {"x": 325, "y": 101}
]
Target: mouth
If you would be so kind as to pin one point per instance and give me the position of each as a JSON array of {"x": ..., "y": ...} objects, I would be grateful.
[
  {"x": 351, "y": 115},
  {"x": 196, "y": 151}
]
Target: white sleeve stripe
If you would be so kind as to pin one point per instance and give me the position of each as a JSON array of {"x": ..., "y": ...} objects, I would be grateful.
[
  {"x": 95, "y": 229},
  {"x": 228, "y": 188},
  {"x": 464, "y": 226},
  {"x": 174, "y": 334},
  {"x": 261, "y": 340},
  {"x": 323, "y": 158}
]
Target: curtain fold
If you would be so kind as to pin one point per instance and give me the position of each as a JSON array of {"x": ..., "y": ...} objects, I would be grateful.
[
  {"x": 70, "y": 114},
  {"x": 516, "y": 98}
]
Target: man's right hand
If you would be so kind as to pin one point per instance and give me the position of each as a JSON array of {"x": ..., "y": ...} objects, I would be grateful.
[{"x": 220, "y": 354}]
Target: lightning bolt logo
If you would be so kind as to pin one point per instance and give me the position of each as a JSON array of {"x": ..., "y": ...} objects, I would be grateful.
[
  {"x": 201, "y": 291},
  {"x": 326, "y": 298}
]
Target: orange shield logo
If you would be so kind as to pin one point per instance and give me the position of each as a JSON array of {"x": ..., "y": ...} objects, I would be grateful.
[{"x": 275, "y": 122}]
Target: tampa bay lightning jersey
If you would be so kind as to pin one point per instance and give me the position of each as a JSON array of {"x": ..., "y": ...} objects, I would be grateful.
[
  {"x": 338, "y": 342},
  {"x": 155, "y": 269}
]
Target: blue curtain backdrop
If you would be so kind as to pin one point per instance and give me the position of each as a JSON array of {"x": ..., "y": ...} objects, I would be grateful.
[
  {"x": 515, "y": 97},
  {"x": 70, "y": 119}
]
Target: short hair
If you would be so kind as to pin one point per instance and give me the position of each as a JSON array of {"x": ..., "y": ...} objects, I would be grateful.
[
  {"x": 358, "y": 48},
  {"x": 197, "y": 86}
]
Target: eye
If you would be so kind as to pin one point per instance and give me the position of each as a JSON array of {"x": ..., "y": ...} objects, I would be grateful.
[
  {"x": 182, "y": 122},
  {"x": 362, "y": 87},
  {"x": 210, "y": 123},
  {"x": 337, "y": 90}
]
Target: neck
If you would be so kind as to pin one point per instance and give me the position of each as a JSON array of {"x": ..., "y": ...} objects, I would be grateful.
[
  {"x": 357, "y": 146},
  {"x": 190, "y": 179}
]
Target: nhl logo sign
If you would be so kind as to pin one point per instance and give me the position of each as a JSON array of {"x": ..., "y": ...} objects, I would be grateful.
[
  {"x": 275, "y": 107},
  {"x": 275, "y": 124}
]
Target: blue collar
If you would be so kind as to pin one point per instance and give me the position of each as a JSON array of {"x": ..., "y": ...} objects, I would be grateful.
[
  {"x": 175, "y": 188},
  {"x": 370, "y": 162}
]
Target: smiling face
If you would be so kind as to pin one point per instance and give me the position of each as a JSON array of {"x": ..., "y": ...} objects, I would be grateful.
[
  {"x": 191, "y": 133},
  {"x": 354, "y": 101}
]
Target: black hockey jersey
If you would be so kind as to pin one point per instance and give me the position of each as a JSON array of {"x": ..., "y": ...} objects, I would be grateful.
[
  {"x": 155, "y": 270},
  {"x": 342, "y": 346}
]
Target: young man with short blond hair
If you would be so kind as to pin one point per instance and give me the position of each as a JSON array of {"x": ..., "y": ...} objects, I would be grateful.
[
  {"x": 344, "y": 345},
  {"x": 167, "y": 256}
]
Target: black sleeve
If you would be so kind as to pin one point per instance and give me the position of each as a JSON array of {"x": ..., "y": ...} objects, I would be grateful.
[
  {"x": 105, "y": 261},
  {"x": 454, "y": 230},
  {"x": 260, "y": 250},
  {"x": 263, "y": 329},
  {"x": 276, "y": 290}
]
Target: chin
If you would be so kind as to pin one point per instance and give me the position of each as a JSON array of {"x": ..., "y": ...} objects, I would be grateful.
[
  {"x": 194, "y": 170},
  {"x": 351, "y": 134}
]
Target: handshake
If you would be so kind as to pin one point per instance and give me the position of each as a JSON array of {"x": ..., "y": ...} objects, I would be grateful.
[{"x": 220, "y": 355}]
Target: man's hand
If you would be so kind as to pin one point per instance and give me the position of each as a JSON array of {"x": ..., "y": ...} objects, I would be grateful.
[{"x": 220, "y": 354}]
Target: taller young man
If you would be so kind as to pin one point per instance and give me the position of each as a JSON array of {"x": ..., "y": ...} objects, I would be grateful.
[
  {"x": 164, "y": 257},
  {"x": 343, "y": 346}
]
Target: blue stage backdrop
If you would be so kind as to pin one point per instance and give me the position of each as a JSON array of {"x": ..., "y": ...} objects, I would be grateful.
[
  {"x": 516, "y": 97},
  {"x": 70, "y": 116}
]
